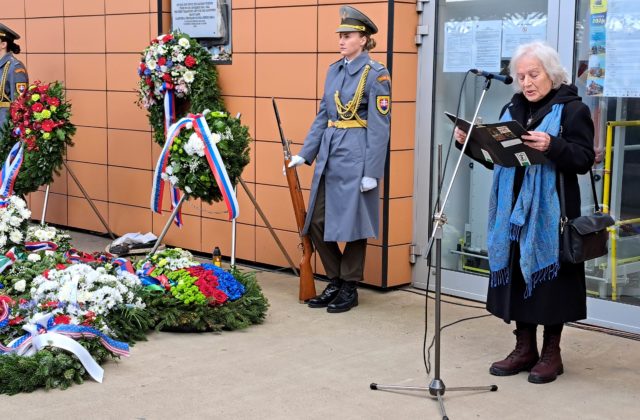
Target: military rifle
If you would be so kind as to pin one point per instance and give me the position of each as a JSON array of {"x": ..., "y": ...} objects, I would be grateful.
[{"x": 307, "y": 285}]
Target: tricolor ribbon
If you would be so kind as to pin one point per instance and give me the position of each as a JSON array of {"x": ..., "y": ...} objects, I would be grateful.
[
  {"x": 41, "y": 333},
  {"x": 213, "y": 157},
  {"x": 161, "y": 282},
  {"x": 10, "y": 170},
  {"x": 7, "y": 259},
  {"x": 40, "y": 246},
  {"x": 123, "y": 264},
  {"x": 5, "y": 311}
]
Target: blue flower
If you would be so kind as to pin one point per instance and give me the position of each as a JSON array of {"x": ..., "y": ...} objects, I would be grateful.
[
  {"x": 147, "y": 72},
  {"x": 169, "y": 63},
  {"x": 226, "y": 282}
]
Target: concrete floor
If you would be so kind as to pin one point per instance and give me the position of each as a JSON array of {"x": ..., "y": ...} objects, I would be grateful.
[{"x": 304, "y": 363}]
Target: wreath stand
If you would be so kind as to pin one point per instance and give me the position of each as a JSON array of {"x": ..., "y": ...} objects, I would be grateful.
[
  {"x": 233, "y": 232},
  {"x": 84, "y": 192}
]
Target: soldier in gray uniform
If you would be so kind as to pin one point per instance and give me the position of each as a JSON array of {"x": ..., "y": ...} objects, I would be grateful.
[
  {"x": 13, "y": 75},
  {"x": 348, "y": 141}
]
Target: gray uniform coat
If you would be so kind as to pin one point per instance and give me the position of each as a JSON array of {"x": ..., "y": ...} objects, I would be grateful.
[
  {"x": 344, "y": 156},
  {"x": 16, "y": 81}
]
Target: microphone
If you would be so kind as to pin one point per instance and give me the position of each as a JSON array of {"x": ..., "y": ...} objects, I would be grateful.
[{"x": 506, "y": 79}]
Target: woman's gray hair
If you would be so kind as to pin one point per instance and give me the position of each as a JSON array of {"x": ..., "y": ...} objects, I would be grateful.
[{"x": 549, "y": 58}]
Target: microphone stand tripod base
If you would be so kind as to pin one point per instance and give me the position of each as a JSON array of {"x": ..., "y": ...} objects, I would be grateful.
[{"x": 435, "y": 389}]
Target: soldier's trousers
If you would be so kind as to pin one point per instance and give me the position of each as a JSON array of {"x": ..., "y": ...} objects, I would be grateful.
[{"x": 347, "y": 265}]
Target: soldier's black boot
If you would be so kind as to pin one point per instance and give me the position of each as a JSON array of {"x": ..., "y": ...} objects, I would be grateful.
[
  {"x": 347, "y": 298},
  {"x": 330, "y": 292}
]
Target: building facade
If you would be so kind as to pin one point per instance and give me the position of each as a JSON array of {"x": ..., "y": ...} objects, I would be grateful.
[{"x": 282, "y": 48}]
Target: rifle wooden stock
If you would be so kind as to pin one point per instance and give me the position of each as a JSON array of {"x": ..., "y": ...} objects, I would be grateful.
[{"x": 307, "y": 284}]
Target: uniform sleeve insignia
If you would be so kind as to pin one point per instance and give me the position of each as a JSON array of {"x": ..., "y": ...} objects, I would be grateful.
[
  {"x": 382, "y": 103},
  {"x": 384, "y": 78},
  {"x": 21, "y": 70},
  {"x": 21, "y": 87}
]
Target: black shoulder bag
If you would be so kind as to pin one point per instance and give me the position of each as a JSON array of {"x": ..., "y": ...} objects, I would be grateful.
[{"x": 583, "y": 238}]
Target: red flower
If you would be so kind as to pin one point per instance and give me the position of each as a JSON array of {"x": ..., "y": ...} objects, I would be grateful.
[
  {"x": 5, "y": 298},
  {"x": 48, "y": 126},
  {"x": 219, "y": 296},
  {"x": 16, "y": 320},
  {"x": 45, "y": 274},
  {"x": 60, "y": 266},
  {"x": 162, "y": 61},
  {"x": 37, "y": 107},
  {"x": 167, "y": 77},
  {"x": 42, "y": 88},
  {"x": 50, "y": 304},
  {"x": 143, "y": 67},
  {"x": 62, "y": 319},
  {"x": 53, "y": 101},
  {"x": 167, "y": 38},
  {"x": 22, "y": 301},
  {"x": 31, "y": 144},
  {"x": 190, "y": 61},
  {"x": 149, "y": 81}
]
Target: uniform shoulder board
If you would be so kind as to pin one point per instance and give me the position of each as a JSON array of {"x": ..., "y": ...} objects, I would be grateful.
[
  {"x": 20, "y": 69},
  {"x": 376, "y": 65}
]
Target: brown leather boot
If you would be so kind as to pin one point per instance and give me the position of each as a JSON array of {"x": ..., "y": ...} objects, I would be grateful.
[
  {"x": 522, "y": 358},
  {"x": 550, "y": 364}
]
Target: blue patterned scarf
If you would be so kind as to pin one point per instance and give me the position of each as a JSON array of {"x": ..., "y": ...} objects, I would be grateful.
[{"x": 533, "y": 222}]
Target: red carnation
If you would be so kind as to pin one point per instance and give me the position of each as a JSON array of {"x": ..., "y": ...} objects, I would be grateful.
[
  {"x": 62, "y": 319},
  {"x": 60, "y": 266},
  {"x": 166, "y": 77},
  {"x": 43, "y": 88},
  {"x": 50, "y": 304},
  {"x": 167, "y": 38},
  {"x": 16, "y": 320},
  {"x": 190, "y": 61},
  {"x": 53, "y": 101},
  {"x": 48, "y": 126},
  {"x": 162, "y": 61},
  {"x": 37, "y": 107},
  {"x": 143, "y": 67},
  {"x": 219, "y": 296},
  {"x": 149, "y": 81},
  {"x": 31, "y": 144}
]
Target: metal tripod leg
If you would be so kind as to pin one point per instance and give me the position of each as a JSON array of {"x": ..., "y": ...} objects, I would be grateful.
[
  {"x": 167, "y": 225},
  {"x": 93, "y": 206},
  {"x": 44, "y": 206},
  {"x": 266, "y": 222}
]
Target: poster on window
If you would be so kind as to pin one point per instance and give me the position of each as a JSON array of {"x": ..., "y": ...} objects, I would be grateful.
[
  {"x": 472, "y": 45},
  {"x": 209, "y": 21},
  {"x": 622, "y": 33},
  {"x": 597, "y": 48},
  {"x": 522, "y": 29}
]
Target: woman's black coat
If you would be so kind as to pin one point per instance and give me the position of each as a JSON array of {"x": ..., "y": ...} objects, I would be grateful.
[{"x": 564, "y": 298}]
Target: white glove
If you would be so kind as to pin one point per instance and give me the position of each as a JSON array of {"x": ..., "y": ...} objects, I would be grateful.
[
  {"x": 368, "y": 183},
  {"x": 296, "y": 161}
]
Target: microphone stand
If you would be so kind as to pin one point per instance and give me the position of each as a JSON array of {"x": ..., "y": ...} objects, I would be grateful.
[{"x": 437, "y": 388}]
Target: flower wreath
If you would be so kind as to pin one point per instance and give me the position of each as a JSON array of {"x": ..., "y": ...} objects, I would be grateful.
[
  {"x": 177, "y": 76},
  {"x": 178, "y": 64},
  {"x": 40, "y": 124},
  {"x": 185, "y": 295}
]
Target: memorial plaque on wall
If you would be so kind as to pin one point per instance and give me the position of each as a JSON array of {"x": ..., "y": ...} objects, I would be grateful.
[{"x": 209, "y": 21}]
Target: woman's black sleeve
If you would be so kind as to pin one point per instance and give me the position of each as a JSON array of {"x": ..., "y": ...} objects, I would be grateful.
[{"x": 572, "y": 150}]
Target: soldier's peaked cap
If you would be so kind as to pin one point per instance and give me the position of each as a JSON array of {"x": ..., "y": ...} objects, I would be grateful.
[
  {"x": 7, "y": 33},
  {"x": 353, "y": 20}
]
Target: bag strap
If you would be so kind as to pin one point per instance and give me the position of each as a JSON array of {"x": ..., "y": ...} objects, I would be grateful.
[
  {"x": 563, "y": 213},
  {"x": 593, "y": 190}
]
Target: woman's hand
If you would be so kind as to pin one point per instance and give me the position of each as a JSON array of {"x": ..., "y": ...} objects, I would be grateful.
[
  {"x": 460, "y": 135},
  {"x": 538, "y": 140}
]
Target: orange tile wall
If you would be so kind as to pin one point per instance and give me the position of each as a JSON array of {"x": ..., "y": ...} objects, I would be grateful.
[{"x": 281, "y": 48}]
